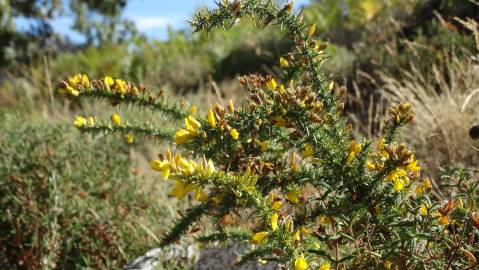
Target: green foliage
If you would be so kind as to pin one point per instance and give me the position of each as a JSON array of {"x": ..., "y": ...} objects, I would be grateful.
[
  {"x": 286, "y": 162},
  {"x": 70, "y": 202}
]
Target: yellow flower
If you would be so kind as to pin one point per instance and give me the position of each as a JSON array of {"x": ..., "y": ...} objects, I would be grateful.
[
  {"x": 353, "y": 149},
  {"x": 293, "y": 197},
  {"x": 331, "y": 86},
  {"x": 120, "y": 86},
  {"x": 91, "y": 121},
  {"x": 419, "y": 190},
  {"x": 200, "y": 194},
  {"x": 427, "y": 184},
  {"x": 259, "y": 238},
  {"x": 325, "y": 266},
  {"x": 130, "y": 138},
  {"x": 116, "y": 119},
  {"x": 271, "y": 84},
  {"x": 192, "y": 124},
  {"x": 231, "y": 106},
  {"x": 234, "y": 133},
  {"x": 183, "y": 136},
  {"x": 308, "y": 151},
  {"x": 399, "y": 178},
  {"x": 283, "y": 63},
  {"x": 281, "y": 88},
  {"x": 387, "y": 264},
  {"x": 162, "y": 166},
  {"x": 211, "y": 118},
  {"x": 413, "y": 167},
  {"x": 277, "y": 205},
  {"x": 296, "y": 236},
  {"x": 85, "y": 81},
  {"x": 274, "y": 221},
  {"x": 279, "y": 121},
  {"x": 79, "y": 122},
  {"x": 371, "y": 166},
  {"x": 187, "y": 167},
  {"x": 192, "y": 109},
  {"x": 264, "y": 145},
  {"x": 108, "y": 81},
  {"x": 180, "y": 189},
  {"x": 312, "y": 30},
  {"x": 423, "y": 210},
  {"x": 444, "y": 220},
  {"x": 300, "y": 263}
]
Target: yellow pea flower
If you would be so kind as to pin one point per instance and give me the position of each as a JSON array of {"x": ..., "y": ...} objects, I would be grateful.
[
  {"x": 283, "y": 63},
  {"x": 108, "y": 81},
  {"x": 353, "y": 149},
  {"x": 211, "y": 118},
  {"x": 231, "y": 106},
  {"x": 279, "y": 121},
  {"x": 180, "y": 189},
  {"x": 419, "y": 190},
  {"x": 271, "y": 84},
  {"x": 85, "y": 81},
  {"x": 371, "y": 166},
  {"x": 91, "y": 121},
  {"x": 120, "y": 86},
  {"x": 234, "y": 133},
  {"x": 116, "y": 119},
  {"x": 312, "y": 30},
  {"x": 399, "y": 178},
  {"x": 192, "y": 124},
  {"x": 292, "y": 197},
  {"x": 162, "y": 166},
  {"x": 331, "y": 86},
  {"x": 325, "y": 266},
  {"x": 427, "y": 184},
  {"x": 192, "y": 109},
  {"x": 444, "y": 220},
  {"x": 296, "y": 236},
  {"x": 259, "y": 238},
  {"x": 183, "y": 136},
  {"x": 300, "y": 263},
  {"x": 130, "y": 138},
  {"x": 281, "y": 88},
  {"x": 308, "y": 151},
  {"x": 277, "y": 205},
  {"x": 264, "y": 145},
  {"x": 423, "y": 210},
  {"x": 200, "y": 194},
  {"x": 79, "y": 122},
  {"x": 413, "y": 167},
  {"x": 274, "y": 221},
  {"x": 387, "y": 264}
]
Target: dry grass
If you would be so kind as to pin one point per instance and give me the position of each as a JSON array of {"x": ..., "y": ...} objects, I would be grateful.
[{"x": 446, "y": 104}]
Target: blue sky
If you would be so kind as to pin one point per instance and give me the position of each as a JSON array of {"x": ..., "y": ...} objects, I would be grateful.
[{"x": 152, "y": 17}]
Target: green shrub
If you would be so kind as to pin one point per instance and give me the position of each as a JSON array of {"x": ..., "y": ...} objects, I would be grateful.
[{"x": 70, "y": 202}]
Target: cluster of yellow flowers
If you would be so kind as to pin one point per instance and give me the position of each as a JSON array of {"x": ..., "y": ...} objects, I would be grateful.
[
  {"x": 405, "y": 166},
  {"x": 81, "y": 121},
  {"x": 179, "y": 168},
  {"x": 192, "y": 126},
  {"x": 401, "y": 114},
  {"x": 75, "y": 84}
]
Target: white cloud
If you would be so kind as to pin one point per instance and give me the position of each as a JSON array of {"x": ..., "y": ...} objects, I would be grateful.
[{"x": 145, "y": 23}]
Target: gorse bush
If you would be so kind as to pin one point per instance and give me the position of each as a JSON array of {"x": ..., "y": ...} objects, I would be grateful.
[{"x": 286, "y": 162}]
